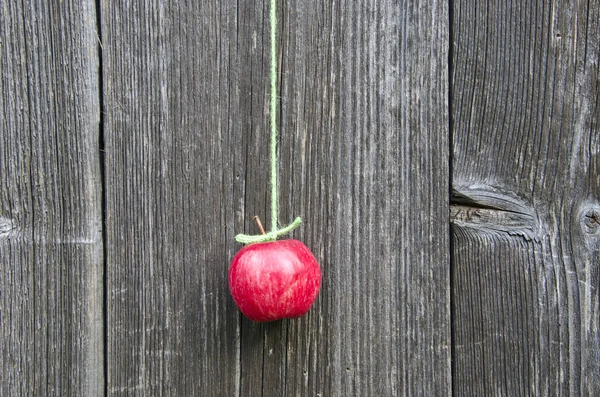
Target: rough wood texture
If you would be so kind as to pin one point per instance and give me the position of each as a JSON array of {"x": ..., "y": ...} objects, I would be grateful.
[
  {"x": 525, "y": 99},
  {"x": 51, "y": 339},
  {"x": 363, "y": 159}
]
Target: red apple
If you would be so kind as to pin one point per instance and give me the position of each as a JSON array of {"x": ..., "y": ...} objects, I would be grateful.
[{"x": 274, "y": 280}]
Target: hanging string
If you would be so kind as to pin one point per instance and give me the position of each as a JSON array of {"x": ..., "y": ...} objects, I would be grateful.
[
  {"x": 275, "y": 232},
  {"x": 273, "y": 114}
]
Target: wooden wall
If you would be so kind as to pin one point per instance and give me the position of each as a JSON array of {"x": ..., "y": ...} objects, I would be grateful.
[
  {"x": 443, "y": 155},
  {"x": 526, "y": 164},
  {"x": 51, "y": 242}
]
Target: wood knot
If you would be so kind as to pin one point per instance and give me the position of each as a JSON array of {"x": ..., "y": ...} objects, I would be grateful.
[
  {"x": 489, "y": 210},
  {"x": 8, "y": 228},
  {"x": 591, "y": 221}
]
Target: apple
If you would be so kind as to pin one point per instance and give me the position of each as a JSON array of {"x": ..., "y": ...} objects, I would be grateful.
[{"x": 274, "y": 280}]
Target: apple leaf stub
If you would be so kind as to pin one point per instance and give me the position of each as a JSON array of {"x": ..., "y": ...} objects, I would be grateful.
[{"x": 274, "y": 280}]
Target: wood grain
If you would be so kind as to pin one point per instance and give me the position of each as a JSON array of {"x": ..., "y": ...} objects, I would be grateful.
[
  {"x": 51, "y": 299},
  {"x": 364, "y": 160},
  {"x": 178, "y": 108},
  {"x": 525, "y": 100},
  {"x": 365, "y": 111}
]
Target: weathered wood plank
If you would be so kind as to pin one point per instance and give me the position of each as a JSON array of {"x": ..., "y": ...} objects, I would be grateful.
[
  {"x": 177, "y": 88},
  {"x": 364, "y": 159},
  {"x": 51, "y": 255},
  {"x": 364, "y": 154},
  {"x": 525, "y": 98}
]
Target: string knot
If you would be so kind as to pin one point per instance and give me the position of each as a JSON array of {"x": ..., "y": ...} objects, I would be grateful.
[{"x": 270, "y": 236}]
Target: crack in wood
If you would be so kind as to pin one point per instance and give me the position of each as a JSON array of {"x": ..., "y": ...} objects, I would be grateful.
[
  {"x": 490, "y": 211},
  {"x": 591, "y": 221},
  {"x": 481, "y": 216}
]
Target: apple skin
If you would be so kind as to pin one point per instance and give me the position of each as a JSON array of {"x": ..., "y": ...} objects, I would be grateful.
[{"x": 274, "y": 280}]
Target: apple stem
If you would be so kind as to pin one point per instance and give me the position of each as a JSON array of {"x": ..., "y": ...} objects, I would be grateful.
[{"x": 260, "y": 226}]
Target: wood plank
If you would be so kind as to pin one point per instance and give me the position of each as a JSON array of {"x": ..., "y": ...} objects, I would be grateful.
[
  {"x": 364, "y": 160},
  {"x": 51, "y": 249},
  {"x": 177, "y": 126},
  {"x": 526, "y": 262}
]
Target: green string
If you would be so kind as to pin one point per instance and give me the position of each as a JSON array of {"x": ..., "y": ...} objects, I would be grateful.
[
  {"x": 270, "y": 236},
  {"x": 275, "y": 231},
  {"x": 273, "y": 114}
]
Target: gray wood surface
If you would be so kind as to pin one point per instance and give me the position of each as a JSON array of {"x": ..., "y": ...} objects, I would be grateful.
[
  {"x": 364, "y": 160},
  {"x": 116, "y": 232},
  {"x": 525, "y": 100},
  {"x": 51, "y": 255}
]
